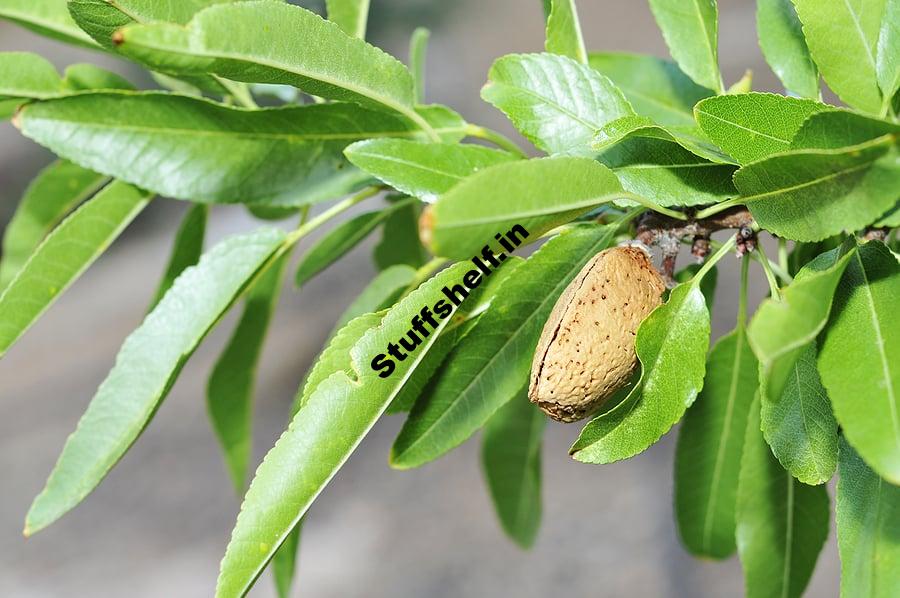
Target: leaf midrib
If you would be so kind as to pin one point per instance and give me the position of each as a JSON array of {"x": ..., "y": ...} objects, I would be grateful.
[
  {"x": 811, "y": 183},
  {"x": 786, "y": 142},
  {"x": 535, "y": 213}
]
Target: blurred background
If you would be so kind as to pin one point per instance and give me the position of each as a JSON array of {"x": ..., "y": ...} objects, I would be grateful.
[{"x": 159, "y": 524}]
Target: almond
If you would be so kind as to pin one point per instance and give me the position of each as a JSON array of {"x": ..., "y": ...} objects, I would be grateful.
[{"x": 586, "y": 350}]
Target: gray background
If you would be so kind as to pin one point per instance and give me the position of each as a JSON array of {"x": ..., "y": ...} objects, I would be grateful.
[{"x": 160, "y": 522}]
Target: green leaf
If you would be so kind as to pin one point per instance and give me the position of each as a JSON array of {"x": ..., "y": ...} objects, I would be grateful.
[
  {"x": 656, "y": 88},
  {"x": 799, "y": 425},
  {"x": 865, "y": 389},
  {"x": 319, "y": 440},
  {"x": 887, "y": 59},
  {"x": 710, "y": 444},
  {"x": 193, "y": 149},
  {"x": 842, "y": 38},
  {"x": 399, "y": 243},
  {"x": 338, "y": 241},
  {"x": 418, "y": 50},
  {"x": 187, "y": 249},
  {"x": 868, "y": 524},
  {"x": 691, "y": 30},
  {"x": 534, "y": 194},
  {"x": 782, "y": 329},
  {"x": 102, "y": 18},
  {"x": 229, "y": 393},
  {"x": 424, "y": 170},
  {"x": 49, "y": 18},
  {"x": 56, "y": 191},
  {"x": 145, "y": 369},
  {"x": 671, "y": 345},
  {"x": 384, "y": 290},
  {"x": 511, "y": 457},
  {"x": 668, "y": 174},
  {"x": 690, "y": 138},
  {"x": 350, "y": 15},
  {"x": 490, "y": 365},
  {"x": 782, "y": 43},
  {"x": 552, "y": 100},
  {"x": 781, "y": 523},
  {"x": 751, "y": 126},
  {"x": 86, "y": 77},
  {"x": 61, "y": 258},
  {"x": 284, "y": 563},
  {"x": 255, "y": 42},
  {"x": 707, "y": 283},
  {"x": 813, "y": 194},
  {"x": 836, "y": 129},
  {"x": 28, "y": 76},
  {"x": 564, "y": 31}
]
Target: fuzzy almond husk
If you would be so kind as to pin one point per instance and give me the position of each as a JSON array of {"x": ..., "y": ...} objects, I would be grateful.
[{"x": 586, "y": 350}]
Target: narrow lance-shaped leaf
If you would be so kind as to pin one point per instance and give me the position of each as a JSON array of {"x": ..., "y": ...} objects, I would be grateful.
[
  {"x": 781, "y": 523},
  {"x": 351, "y": 15},
  {"x": 284, "y": 563},
  {"x": 418, "y": 51},
  {"x": 146, "y": 366},
  {"x": 691, "y": 138},
  {"x": 64, "y": 255},
  {"x": 229, "y": 393},
  {"x": 24, "y": 75},
  {"x": 781, "y": 329},
  {"x": 400, "y": 243},
  {"x": 424, "y": 170},
  {"x": 799, "y": 425},
  {"x": 193, "y": 149},
  {"x": 865, "y": 390},
  {"x": 564, "y": 31},
  {"x": 554, "y": 101},
  {"x": 340, "y": 240},
  {"x": 536, "y": 195},
  {"x": 710, "y": 444},
  {"x": 842, "y": 38},
  {"x": 809, "y": 195},
  {"x": 868, "y": 524},
  {"x": 321, "y": 437},
  {"x": 56, "y": 191},
  {"x": 511, "y": 458},
  {"x": 671, "y": 345},
  {"x": 491, "y": 363},
  {"x": 691, "y": 30},
  {"x": 50, "y": 18},
  {"x": 85, "y": 76},
  {"x": 751, "y": 126},
  {"x": 187, "y": 249},
  {"x": 255, "y": 42},
  {"x": 783, "y": 45},
  {"x": 887, "y": 59},
  {"x": 656, "y": 88}
]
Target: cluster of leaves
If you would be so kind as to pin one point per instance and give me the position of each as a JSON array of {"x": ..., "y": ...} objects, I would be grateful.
[{"x": 807, "y": 387}]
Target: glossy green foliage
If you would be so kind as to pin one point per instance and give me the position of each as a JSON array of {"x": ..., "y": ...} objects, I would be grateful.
[
  {"x": 781, "y": 523},
  {"x": 229, "y": 393},
  {"x": 85, "y": 77},
  {"x": 691, "y": 138},
  {"x": 381, "y": 293},
  {"x": 843, "y": 38},
  {"x": 64, "y": 255},
  {"x": 511, "y": 458},
  {"x": 215, "y": 154},
  {"x": 710, "y": 445},
  {"x": 887, "y": 55},
  {"x": 424, "y": 170},
  {"x": 564, "y": 31},
  {"x": 865, "y": 390},
  {"x": 25, "y": 75},
  {"x": 535, "y": 194},
  {"x": 782, "y": 43},
  {"x": 321, "y": 437},
  {"x": 671, "y": 345},
  {"x": 56, "y": 191},
  {"x": 339, "y": 241},
  {"x": 186, "y": 250},
  {"x": 145, "y": 368},
  {"x": 809, "y": 195},
  {"x": 400, "y": 243},
  {"x": 691, "y": 30},
  {"x": 799, "y": 425},
  {"x": 554, "y": 101},
  {"x": 751, "y": 126},
  {"x": 50, "y": 18},
  {"x": 839, "y": 128},
  {"x": 868, "y": 524}
]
